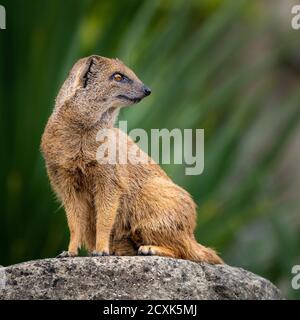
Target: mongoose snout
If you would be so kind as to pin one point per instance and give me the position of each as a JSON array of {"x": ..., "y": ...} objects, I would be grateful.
[
  {"x": 147, "y": 91},
  {"x": 119, "y": 208},
  {"x": 135, "y": 96}
]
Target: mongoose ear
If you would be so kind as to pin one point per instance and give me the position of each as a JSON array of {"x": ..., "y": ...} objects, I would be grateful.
[
  {"x": 77, "y": 79},
  {"x": 85, "y": 71}
]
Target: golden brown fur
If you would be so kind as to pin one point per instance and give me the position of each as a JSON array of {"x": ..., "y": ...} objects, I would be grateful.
[{"x": 121, "y": 209}]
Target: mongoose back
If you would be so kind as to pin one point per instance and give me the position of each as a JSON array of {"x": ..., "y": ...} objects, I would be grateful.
[{"x": 120, "y": 209}]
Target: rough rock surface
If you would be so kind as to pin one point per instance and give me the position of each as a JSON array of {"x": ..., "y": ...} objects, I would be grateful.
[{"x": 132, "y": 278}]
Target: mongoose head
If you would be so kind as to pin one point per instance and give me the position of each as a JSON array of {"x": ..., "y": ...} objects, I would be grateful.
[{"x": 97, "y": 86}]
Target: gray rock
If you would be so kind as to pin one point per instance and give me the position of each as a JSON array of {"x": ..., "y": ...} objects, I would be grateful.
[{"x": 132, "y": 278}]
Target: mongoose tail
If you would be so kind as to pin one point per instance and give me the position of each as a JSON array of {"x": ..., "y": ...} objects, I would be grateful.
[{"x": 200, "y": 253}]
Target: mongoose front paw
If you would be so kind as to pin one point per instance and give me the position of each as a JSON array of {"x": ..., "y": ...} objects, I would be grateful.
[
  {"x": 146, "y": 251},
  {"x": 66, "y": 254},
  {"x": 100, "y": 253}
]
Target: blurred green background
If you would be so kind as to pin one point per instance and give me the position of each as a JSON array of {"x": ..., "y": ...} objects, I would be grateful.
[{"x": 229, "y": 67}]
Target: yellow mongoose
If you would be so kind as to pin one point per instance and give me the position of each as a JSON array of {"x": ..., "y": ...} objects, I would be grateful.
[{"x": 121, "y": 209}]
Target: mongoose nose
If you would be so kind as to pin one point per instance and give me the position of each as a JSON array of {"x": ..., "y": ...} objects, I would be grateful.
[{"x": 147, "y": 91}]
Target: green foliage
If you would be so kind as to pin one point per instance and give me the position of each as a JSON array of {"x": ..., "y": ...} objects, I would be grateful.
[{"x": 199, "y": 59}]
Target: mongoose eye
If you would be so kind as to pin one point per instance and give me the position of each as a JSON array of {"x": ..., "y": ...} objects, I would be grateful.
[{"x": 118, "y": 77}]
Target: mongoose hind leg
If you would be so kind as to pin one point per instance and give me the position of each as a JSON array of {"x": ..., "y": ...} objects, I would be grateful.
[{"x": 155, "y": 251}]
